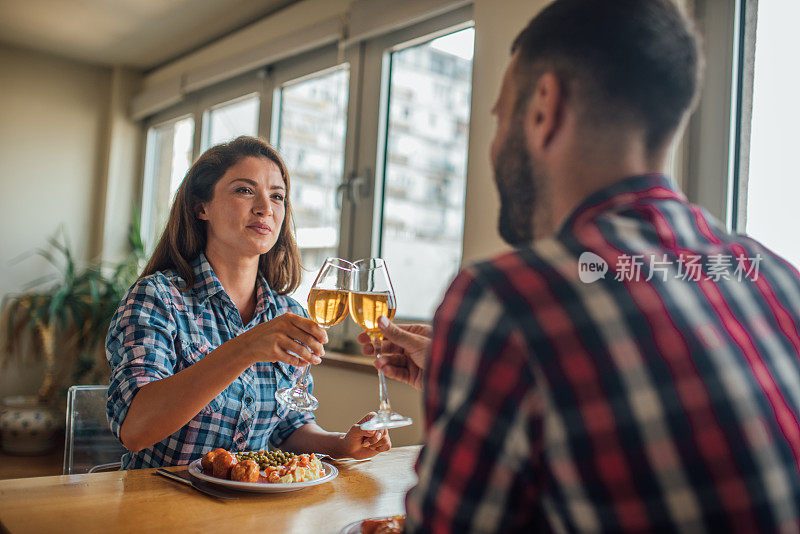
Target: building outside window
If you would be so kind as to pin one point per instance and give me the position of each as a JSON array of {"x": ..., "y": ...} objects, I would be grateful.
[{"x": 425, "y": 170}]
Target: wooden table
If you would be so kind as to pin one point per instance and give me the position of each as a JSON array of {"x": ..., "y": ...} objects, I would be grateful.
[
  {"x": 50, "y": 464},
  {"x": 141, "y": 501}
]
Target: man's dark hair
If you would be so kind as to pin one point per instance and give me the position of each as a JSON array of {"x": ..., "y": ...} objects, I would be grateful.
[{"x": 631, "y": 60}]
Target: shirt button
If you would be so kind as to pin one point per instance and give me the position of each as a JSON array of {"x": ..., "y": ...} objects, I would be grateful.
[
  {"x": 248, "y": 400},
  {"x": 240, "y": 440}
]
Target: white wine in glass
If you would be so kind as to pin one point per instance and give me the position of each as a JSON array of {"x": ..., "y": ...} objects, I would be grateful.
[
  {"x": 327, "y": 306},
  {"x": 371, "y": 297},
  {"x": 366, "y": 308}
]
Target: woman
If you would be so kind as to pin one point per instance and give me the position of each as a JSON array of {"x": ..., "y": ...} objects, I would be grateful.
[{"x": 207, "y": 335}]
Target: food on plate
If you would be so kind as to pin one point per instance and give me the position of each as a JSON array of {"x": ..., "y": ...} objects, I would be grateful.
[
  {"x": 302, "y": 468},
  {"x": 222, "y": 464},
  {"x": 245, "y": 471},
  {"x": 266, "y": 459},
  {"x": 388, "y": 525},
  {"x": 262, "y": 466},
  {"x": 284, "y": 467},
  {"x": 208, "y": 460}
]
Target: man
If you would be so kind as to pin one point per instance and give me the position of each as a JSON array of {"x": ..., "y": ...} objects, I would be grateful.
[{"x": 631, "y": 366}]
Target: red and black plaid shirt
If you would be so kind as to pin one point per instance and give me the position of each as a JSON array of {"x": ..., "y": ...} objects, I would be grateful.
[{"x": 659, "y": 394}]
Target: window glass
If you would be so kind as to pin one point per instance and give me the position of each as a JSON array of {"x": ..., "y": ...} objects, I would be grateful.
[
  {"x": 425, "y": 168},
  {"x": 230, "y": 120},
  {"x": 773, "y": 179},
  {"x": 168, "y": 157},
  {"x": 310, "y": 137}
]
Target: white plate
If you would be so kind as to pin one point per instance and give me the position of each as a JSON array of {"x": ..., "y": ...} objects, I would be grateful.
[
  {"x": 355, "y": 526},
  {"x": 196, "y": 470}
]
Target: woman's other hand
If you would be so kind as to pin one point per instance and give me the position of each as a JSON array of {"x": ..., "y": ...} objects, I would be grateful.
[{"x": 360, "y": 444}]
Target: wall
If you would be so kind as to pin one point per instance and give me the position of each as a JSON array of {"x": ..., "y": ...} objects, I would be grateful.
[
  {"x": 710, "y": 130},
  {"x": 283, "y": 23},
  {"x": 121, "y": 191},
  {"x": 345, "y": 396},
  {"x": 495, "y": 30},
  {"x": 53, "y": 123}
]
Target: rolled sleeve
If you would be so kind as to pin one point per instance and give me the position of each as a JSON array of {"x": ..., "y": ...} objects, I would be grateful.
[{"x": 139, "y": 347}]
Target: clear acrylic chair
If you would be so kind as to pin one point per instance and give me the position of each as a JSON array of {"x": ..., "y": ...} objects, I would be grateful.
[{"x": 89, "y": 445}]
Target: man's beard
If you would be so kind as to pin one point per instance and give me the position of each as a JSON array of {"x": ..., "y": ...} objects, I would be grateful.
[{"x": 517, "y": 184}]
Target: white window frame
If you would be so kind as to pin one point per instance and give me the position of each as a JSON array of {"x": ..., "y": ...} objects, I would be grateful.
[
  {"x": 295, "y": 70},
  {"x": 367, "y": 122},
  {"x": 205, "y": 132},
  {"x": 153, "y": 186},
  {"x": 712, "y": 174},
  {"x": 378, "y": 54}
]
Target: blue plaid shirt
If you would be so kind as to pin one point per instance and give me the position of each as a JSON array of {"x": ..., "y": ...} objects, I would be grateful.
[{"x": 159, "y": 330}]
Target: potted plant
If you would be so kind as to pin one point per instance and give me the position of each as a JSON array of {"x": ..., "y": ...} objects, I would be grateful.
[{"x": 64, "y": 318}]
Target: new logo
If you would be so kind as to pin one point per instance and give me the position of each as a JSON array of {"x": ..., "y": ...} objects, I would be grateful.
[{"x": 591, "y": 267}]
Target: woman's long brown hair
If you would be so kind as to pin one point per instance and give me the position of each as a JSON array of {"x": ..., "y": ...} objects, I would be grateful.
[{"x": 184, "y": 238}]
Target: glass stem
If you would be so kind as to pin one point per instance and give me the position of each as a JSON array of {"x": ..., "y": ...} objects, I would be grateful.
[
  {"x": 383, "y": 393},
  {"x": 303, "y": 382}
]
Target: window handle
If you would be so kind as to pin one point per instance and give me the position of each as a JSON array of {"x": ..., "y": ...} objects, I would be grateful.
[
  {"x": 360, "y": 185},
  {"x": 356, "y": 186},
  {"x": 340, "y": 191}
]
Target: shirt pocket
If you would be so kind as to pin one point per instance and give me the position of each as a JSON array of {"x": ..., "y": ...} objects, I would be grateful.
[{"x": 194, "y": 349}]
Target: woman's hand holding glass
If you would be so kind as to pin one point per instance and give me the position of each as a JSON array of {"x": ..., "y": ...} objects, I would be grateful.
[
  {"x": 327, "y": 306},
  {"x": 287, "y": 338}
]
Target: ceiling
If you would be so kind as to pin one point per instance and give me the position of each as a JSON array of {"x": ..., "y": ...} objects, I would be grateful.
[{"x": 137, "y": 33}]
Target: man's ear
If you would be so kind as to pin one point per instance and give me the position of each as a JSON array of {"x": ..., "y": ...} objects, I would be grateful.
[
  {"x": 200, "y": 211},
  {"x": 543, "y": 116}
]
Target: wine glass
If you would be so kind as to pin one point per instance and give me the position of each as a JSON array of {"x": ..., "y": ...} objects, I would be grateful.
[
  {"x": 327, "y": 306},
  {"x": 371, "y": 296}
]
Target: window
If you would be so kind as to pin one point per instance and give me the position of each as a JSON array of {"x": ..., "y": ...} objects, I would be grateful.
[
  {"x": 310, "y": 136},
  {"x": 773, "y": 179},
  {"x": 425, "y": 169},
  {"x": 374, "y": 134},
  {"x": 168, "y": 156},
  {"x": 230, "y": 120}
]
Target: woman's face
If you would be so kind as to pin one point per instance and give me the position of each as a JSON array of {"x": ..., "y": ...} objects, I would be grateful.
[{"x": 246, "y": 213}]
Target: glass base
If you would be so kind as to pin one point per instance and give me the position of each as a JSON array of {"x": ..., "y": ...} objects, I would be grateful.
[
  {"x": 297, "y": 398},
  {"x": 386, "y": 420}
]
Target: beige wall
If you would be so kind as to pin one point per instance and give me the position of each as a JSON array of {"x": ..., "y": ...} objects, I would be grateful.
[
  {"x": 345, "y": 396},
  {"x": 497, "y": 24},
  {"x": 495, "y": 30},
  {"x": 122, "y": 175},
  {"x": 52, "y": 125}
]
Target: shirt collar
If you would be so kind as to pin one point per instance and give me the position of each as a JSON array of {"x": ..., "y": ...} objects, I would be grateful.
[
  {"x": 265, "y": 299},
  {"x": 623, "y": 193},
  {"x": 207, "y": 284}
]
